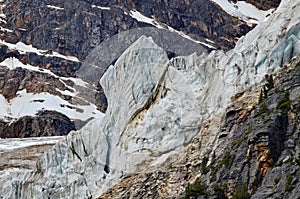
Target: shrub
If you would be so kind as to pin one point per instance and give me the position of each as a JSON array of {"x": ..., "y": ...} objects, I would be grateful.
[
  {"x": 249, "y": 130},
  {"x": 244, "y": 138},
  {"x": 204, "y": 168},
  {"x": 266, "y": 88},
  {"x": 270, "y": 82},
  {"x": 285, "y": 102},
  {"x": 241, "y": 192},
  {"x": 285, "y": 105},
  {"x": 263, "y": 110},
  {"x": 297, "y": 160},
  {"x": 226, "y": 160},
  {"x": 276, "y": 180},
  {"x": 288, "y": 183},
  {"x": 195, "y": 189},
  {"x": 261, "y": 97},
  {"x": 219, "y": 190}
]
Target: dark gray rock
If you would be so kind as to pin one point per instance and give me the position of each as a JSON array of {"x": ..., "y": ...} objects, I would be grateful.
[{"x": 45, "y": 123}]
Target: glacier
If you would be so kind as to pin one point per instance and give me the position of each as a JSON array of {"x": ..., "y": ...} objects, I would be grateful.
[{"x": 156, "y": 105}]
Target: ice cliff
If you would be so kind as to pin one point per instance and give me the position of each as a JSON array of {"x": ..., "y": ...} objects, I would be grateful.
[{"x": 155, "y": 107}]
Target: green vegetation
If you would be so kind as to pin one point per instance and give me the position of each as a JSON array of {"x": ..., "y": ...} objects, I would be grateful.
[
  {"x": 244, "y": 138},
  {"x": 277, "y": 90},
  {"x": 239, "y": 142},
  {"x": 241, "y": 192},
  {"x": 213, "y": 168},
  {"x": 266, "y": 88},
  {"x": 195, "y": 189},
  {"x": 204, "y": 168},
  {"x": 263, "y": 110},
  {"x": 213, "y": 158},
  {"x": 219, "y": 187},
  {"x": 297, "y": 160},
  {"x": 261, "y": 97},
  {"x": 270, "y": 82},
  {"x": 213, "y": 174},
  {"x": 285, "y": 102},
  {"x": 249, "y": 130},
  {"x": 288, "y": 183},
  {"x": 225, "y": 160},
  {"x": 219, "y": 190},
  {"x": 276, "y": 180},
  {"x": 285, "y": 106}
]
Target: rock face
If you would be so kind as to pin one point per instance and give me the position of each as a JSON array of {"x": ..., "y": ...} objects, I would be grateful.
[
  {"x": 184, "y": 16},
  {"x": 65, "y": 26},
  {"x": 38, "y": 126},
  {"x": 264, "y": 5},
  {"x": 158, "y": 104}
]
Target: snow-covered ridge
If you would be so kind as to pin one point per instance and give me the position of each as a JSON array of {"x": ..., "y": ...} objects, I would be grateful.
[
  {"x": 244, "y": 11},
  {"x": 24, "y": 48}
]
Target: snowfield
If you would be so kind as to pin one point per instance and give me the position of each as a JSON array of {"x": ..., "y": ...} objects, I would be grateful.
[{"x": 28, "y": 104}]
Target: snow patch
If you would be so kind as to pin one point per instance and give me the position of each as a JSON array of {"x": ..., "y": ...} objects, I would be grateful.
[
  {"x": 100, "y": 7},
  {"x": 244, "y": 11},
  {"x": 66, "y": 92},
  {"x": 142, "y": 18},
  {"x": 189, "y": 38},
  {"x": 13, "y": 63},
  {"x": 54, "y": 7},
  {"x": 24, "y": 48},
  {"x": 3, "y": 106},
  {"x": 5, "y": 29},
  {"x": 28, "y": 104},
  {"x": 77, "y": 81},
  {"x": 2, "y": 20}
]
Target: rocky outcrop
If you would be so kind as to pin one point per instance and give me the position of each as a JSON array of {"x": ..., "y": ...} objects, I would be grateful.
[
  {"x": 12, "y": 81},
  {"x": 45, "y": 123},
  {"x": 157, "y": 105},
  {"x": 213, "y": 23}
]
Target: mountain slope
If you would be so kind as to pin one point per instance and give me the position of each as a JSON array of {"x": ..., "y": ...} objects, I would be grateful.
[{"x": 152, "y": 116}]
